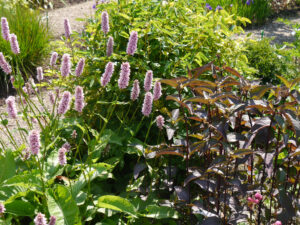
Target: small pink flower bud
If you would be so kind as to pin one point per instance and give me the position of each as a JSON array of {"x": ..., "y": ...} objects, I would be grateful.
[
  {"x": 34, "y": 142},
  {"x": 277, "y": 223},
  {"x": 110, "y": 46},
  {"x": 4, "y": 65},
  {"x": 148, "y": 81},
  {"x": 65, "y": 68},
  {"x": 157, "y": 91},
  {"x": 40, "y": 75},
  {"x": 66, "y": 146},
  {"x": 11, "y": 107},
  {"x": 14, "y": 44},
  {"x": 79, "y": 99},
  {"x": 135, "y": 91},
  {"x": 64, "y": 103},
  {"x": 2, "y": 208},
  {"x": 52, "y": 220},
  {"x": 40, "y": 219},
  {"x": 53, "y": 59},
  {"x": 106, "y": 76},
  {"x": 80, "y": 67},
  {"x": 62, "y": 159},
  {"x": 74, "y": 134},
  {"x": 34, "y": 120},
  {"x": 258, "y": 196},
  {"x": 104, "y": 22},
  {"x": 160, "y": 121},
  {"x": 147, "y": 105},
  {"x": 68, "y": 30},
  {"x": 124, "y": 75},
  {"x": 132, "y": 43},
  {"x": 5, "y": 28}
]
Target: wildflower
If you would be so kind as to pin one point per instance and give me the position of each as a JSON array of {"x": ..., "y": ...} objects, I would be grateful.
[
  {"x": 62, "y": 156},
  {"x": 68, "y": 30},
  {"x": 258, "y": 196},
  {"x": 34, "y": 120},
  {"x": 219, "y": 8},
  {"x": 40, "y": 75},
  {"x": 2, "y": 208},
  {"x": 277, "y": 223},
  {"x": 26, "y": 154},
  {"x": 132, "y": 43},
  {"x": 11, "y": 107},
  {"x": 4, "y": 65},
  {"x": 124, "y": 75},
  {"x": 110, "y": 46},
  {"x": 34, "y": 142},
  {"x": 157, "y": 90},
  {"x": 148, "y": 81},
  {"x": 106, "y": 76},
  {"x": 64, "y": 103},
  {"x": 104, "y": 22},
  {"x": 40, "y": 219},
  {"x": 74, "y": 134},
  {"x": 248, "y": 2},
  {"x": 66, "y": 146},
  {"x": 52, "y": 220},
  {"x": 255, "y": 201},
  {"x": 94, "y": 6},
  {"x": 79, "y": 99},
  {"x": 53, "y": 59},
  {"x": 160, "y": 121},
  {"x": 5, "y": 28},
  {"x": 79, "y": 67},
  {"x": 135, "y": 91},
  {"x": 65, "y": 65},
  {"x": 51, "y": 98},
  {"x": 147, "y": 105},
  {"x": 208, "y": 6},
  {"x": 14, "y": 44}
]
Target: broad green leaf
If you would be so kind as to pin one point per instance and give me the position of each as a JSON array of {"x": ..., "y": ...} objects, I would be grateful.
[
  {"x": 20, "y": 208},
  {"x": 116, "y": 203},
  {"x": 7, "y": 166},
  {"x": 161, "y": 212}
]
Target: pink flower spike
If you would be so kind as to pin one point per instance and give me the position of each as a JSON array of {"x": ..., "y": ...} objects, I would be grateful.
[
  {"x": 68, "y": 30},
  {"x": 124, "y": 75},
  {"x": 132, "y": 43},
  {"x": 62, "y": 159},
  {"x": 66, "y": 146},
  {"x": 11, "y": 107},
  {"x": 40, "y": 75},
  {"x": 40, "y": 219},
  {"x": 14, "y": 44},
  {"x": 5, "y": 28},
  {"x": 148, "y": 81},
  {"x": 4, "y": 65},
  {"x": 2, "y": 208},
  {"x": 53, "y": 59},
  {"x": 79, "y": 67},
  {"x": 106, "y": 76},
  {"x": 65, "y": 65},
  {"x": 64, "y": 103},
  {"x": 34, "y": 142},
  {"x": 135, "y": 91},
  {"x": 160, "y": 121},
  {"x": 52, "y": 220},
  {"x": 147, "y": 105},
  {"x": 110, "y": 46},
  {"x": 104, "y": 22},
  {"x": 157, "y": 91},
  {"x": 52, "y": 98},
  {"x": 79, "y": 99},
  {"x": 258, "y": 196}
]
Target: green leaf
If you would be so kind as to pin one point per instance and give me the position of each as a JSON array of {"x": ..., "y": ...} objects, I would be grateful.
[
  {"x": 7, "y": 166},
  {"x": 161, "y": 212},
  {"x": 20, "y": 208},
  {"x": 62, "y": 206},
  {"x": 116, "y": 203}
]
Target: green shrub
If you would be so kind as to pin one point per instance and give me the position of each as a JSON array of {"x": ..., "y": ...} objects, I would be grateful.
[
  {"x": 270, "y": 61},
  {"x": 33, "y": 38}
]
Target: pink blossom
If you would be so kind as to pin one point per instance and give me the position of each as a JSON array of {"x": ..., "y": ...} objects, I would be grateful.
[
  {"x": 160, "y": 121},
  {"x": 5, "y": 28},
  {"x": 66, "y": 146},
  {"x": 258, "y": 196},
  {"x": 2, "y": 208},
  {"x": 79, "y": 67},
  {"x": 34, "y": 142},
  {"x": 65, "y": 68},
  {"x": 52, "y": 220},
  {"x": 147, "y": 105},
  {"x": 110, "y": 46},
  {"x": 64, "y": 103},
  {"x": 40, "y": 219},
  {"x": 74, "y": 134},
  {"x": 53, "y": 59},
  {"x": 68, "y": 30},
  {"x": 132, "y": 43},
  {"x": 62, "y": 159},
  {"x": 148, "y": 81},
  {"x": 4, "y": 65},
  {"x": 14, "y": 44},
  {"x": 135, "y": 91},
  {"x": 79, "y": 99},
  {"x": 104, "y": 22},
  {"x": 40, "y": 75},
  {"x": 52, "y": 98},
  {"x": 124, "y": 75},
  {"x": 106, "y": 76},
  {"x": 157, "y": 91},
  {"x": 34, "y": 120},
  {"x": 277, "y": 223},
  {"x": 11, "y": 107}
]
